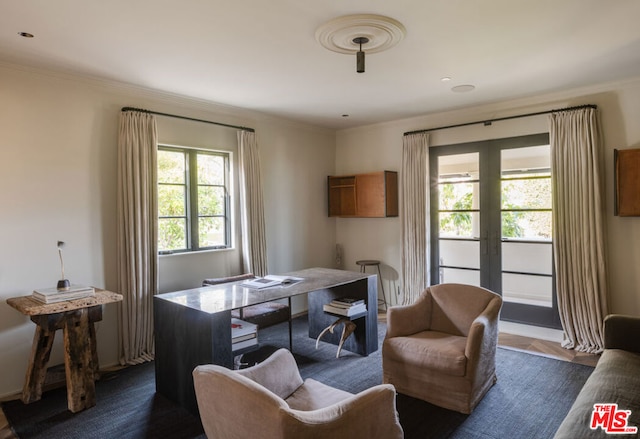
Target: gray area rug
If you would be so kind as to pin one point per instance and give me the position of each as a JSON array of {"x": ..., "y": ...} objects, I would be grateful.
[{"x": 530, "y": 399}]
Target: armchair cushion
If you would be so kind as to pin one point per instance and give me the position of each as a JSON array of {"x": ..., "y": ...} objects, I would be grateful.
[
  {"x": 313, "y": 395},
  {"x": 431, "y": 350}
]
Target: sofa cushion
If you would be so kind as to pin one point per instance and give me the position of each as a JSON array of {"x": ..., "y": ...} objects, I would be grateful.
[
  {"x": 616, "y": 379},
  {"x": 444, "y": 352},
  {"x": 313, "y": 395}
]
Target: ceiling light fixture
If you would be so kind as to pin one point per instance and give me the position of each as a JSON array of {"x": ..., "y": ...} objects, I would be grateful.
[
  {"x": 465, "y": 88},
  {"x": 347, "y": 34},
  {"x": 360, "y": 53}
]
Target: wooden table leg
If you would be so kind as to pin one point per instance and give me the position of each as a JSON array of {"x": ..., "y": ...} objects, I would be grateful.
[
  {"x": 78, "y": 360},
  {"x": 40, "y": 352},
  {"x": 95, "y": 315}
]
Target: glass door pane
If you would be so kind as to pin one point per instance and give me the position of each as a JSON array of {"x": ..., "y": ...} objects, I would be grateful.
[
  {"x": 459, "y": 218},
  {"x": 527, "y": 263}
]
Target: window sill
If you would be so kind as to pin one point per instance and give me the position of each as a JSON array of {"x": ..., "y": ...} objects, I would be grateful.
[{"x": 197, "y": 252}]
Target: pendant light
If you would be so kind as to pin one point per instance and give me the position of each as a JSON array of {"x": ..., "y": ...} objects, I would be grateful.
[{"x": 360, "y": 53}]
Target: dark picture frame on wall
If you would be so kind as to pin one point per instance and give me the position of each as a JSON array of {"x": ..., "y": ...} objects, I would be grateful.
[{"x": 627, "y": 182}]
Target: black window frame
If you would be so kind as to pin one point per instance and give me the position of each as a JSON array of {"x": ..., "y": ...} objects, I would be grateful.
[{"x": 191, "y": 199}]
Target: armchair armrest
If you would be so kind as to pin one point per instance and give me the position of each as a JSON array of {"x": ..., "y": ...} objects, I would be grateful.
[
  {"x": 409, "y": 319},
  {"x": 483, "y": 334},
  {"x": 368, "y": 415},
  {"x": 279, "y": 373},
  {"x": 622, "y": 332}
]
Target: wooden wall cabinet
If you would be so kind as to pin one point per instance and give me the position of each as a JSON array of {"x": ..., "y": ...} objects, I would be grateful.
[
  {"x": 372, "y": 195},
  {"x": 627, "y": 182}
]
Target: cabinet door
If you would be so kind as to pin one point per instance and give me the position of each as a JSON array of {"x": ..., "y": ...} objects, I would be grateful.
[
  {"x": 627, "y": 182},
  {"x": 370, "y": 195}
]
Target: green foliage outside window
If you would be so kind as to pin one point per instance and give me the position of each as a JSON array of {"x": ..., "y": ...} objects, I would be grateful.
[
  {"x": 179, "y": 200},
  {"x": 526, "y": 208},
  {"x": 457, "y": 196}
]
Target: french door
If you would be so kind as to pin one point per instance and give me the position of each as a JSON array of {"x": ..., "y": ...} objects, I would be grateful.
[{"x": 491, "y": 219}]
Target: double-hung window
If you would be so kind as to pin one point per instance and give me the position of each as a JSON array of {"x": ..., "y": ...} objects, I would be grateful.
[{"x": 193, "y": 199}]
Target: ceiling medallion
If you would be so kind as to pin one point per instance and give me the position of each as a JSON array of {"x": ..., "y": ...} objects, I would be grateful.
[{"x": 340, "y": 34}]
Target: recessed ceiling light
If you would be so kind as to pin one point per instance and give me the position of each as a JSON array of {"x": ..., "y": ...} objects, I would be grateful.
[
  {"x": 463, "y": 88},
  {"x": 445, "y": 79},
  {"x": 25, "y": 34}
]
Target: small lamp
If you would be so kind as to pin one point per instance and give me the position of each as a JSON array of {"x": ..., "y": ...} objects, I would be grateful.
[
  {"x": 63, "y": 284},
  {"x": 360, "y": 53}
]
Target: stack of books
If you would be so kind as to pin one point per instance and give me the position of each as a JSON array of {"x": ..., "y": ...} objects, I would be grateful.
[
  {"x": 53, "y": 295},
  {"x": 243, "y": 334},
  {"x": 345, "y": 306}
]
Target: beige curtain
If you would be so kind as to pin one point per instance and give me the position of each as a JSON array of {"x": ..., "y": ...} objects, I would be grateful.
[
  {"x": 578, "y": 230},
  {"x": 254, "y": 242},
  {"x": 415, "y": 216},
  {"x": 137, "y": 234}
]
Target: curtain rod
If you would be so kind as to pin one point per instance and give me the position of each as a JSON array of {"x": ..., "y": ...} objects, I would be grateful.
[
  {"x": 188, "y": 118},
  {"x": 490, "y": 121}
]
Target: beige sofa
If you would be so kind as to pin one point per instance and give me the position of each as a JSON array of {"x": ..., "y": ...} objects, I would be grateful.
[
  {"x": 615, "y": 380},
  {"x": 271, "y": 401},
  {"x": 442, "y": 348}
]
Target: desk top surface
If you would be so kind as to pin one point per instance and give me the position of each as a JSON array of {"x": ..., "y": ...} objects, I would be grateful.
[
  {"x": 29, "y": 306},
  {"x": 233, "y": 295}
]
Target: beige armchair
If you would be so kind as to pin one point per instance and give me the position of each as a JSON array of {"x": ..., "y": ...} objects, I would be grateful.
[
  {"x": 442, "y": 348},
  {"x": 270, "y": 400}
]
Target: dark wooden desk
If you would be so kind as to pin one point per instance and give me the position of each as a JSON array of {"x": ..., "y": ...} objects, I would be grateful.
[
  {"x": 192, "y": 327},
  {"x": 76, "y": 318}
]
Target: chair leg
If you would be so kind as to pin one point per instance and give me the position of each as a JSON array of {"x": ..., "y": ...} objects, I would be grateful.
[{"x": 384, "y": 297}]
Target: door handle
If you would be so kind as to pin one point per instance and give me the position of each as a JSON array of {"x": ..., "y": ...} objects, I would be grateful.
[{"x": 484, "y": 244}]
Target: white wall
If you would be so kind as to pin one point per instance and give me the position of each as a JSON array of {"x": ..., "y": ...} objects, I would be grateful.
[
  {"x": 58, "y": 153},
  {"x": 378, "y": 147}
]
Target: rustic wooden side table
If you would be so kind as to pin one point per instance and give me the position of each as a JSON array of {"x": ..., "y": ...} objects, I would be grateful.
[{"x": 76, "y": 318}]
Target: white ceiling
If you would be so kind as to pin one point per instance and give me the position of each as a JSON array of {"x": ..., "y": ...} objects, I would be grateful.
[{"x": 263, "y": 55}]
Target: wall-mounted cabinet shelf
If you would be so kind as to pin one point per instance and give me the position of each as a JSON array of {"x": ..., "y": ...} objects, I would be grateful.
[{"x": 372, "y": 195}]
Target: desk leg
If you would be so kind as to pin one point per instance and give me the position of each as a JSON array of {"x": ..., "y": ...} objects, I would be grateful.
[
  {"x": 290, "y": 327},
  {"x": 37, "y": 368},
  {"x": 78, "y": 361}
]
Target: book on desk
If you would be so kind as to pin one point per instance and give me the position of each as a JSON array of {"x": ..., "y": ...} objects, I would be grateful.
[
  {"x": 53, "y": 295},
  {"x": 345, "y": 306},
  {"x": 243, "y": 334},
  {"x": 271, "y": 280}
]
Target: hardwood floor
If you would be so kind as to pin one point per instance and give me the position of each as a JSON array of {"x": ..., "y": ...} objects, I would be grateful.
[
  {"x": 546, "y": 348},
  {"x": 509, "y": 341}
]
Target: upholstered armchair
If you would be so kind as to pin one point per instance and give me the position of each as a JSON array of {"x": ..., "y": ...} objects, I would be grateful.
[
  {"x": 442, "y": 348},
  {"x": 271, "y": 401}
]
